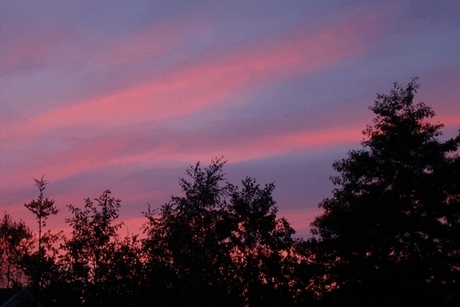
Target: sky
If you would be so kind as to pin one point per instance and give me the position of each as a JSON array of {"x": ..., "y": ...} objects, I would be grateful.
[{"x": 126, "y": 95}]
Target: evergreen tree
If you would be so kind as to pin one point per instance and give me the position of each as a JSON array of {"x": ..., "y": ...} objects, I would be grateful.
[
  {"x": 390, "y": 232},
  {"x": 40, "y": 266}
]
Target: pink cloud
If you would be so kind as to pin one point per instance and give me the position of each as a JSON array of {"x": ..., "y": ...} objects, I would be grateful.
[
  {"x": 116, "y": 150},
  {"x": 449, "y": 120},
  {"x": 197, "y": 87},
  {"x": 266, "y": 146},
  {"x": 187, "y": 91}
]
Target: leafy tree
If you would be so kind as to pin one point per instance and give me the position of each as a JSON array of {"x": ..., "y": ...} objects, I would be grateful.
[
  {"x": 97, "y": 267},
  {"x": 16, "y": 241},
  {"x": 126, "y": 279},
  {"x": 218, "y": 245},
  {"x": 186, "y": 241},
  {"x": 262, "y": 247},
  {"x": 390, "y": 233},
  {"x": 89, "y": 251}
]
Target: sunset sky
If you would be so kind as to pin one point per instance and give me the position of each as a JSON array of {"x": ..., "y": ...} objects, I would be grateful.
[{"x": 125, "y": 95}]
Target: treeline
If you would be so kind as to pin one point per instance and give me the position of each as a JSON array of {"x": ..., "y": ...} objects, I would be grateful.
[{"x": 389, "y": 234}]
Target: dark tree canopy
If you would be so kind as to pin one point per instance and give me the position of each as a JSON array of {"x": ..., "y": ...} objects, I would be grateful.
[
  {"x": 390, "y": 231},
  {"x": 219, "y": 245},
  {"x": 16, "y": 241}
]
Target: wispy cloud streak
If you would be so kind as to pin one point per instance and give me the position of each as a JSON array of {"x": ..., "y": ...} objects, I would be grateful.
[{"x": 200, "y": 85}]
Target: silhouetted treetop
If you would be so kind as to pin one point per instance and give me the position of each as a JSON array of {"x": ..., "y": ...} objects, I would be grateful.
[
  {"x": 219, "y": 244},
  {"x": 389, "y": 227}
]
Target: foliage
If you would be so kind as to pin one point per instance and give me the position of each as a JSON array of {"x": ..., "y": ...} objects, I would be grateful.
[
  {"x": 220, "y": 245},
  {"x": 262, "y": 247},
  {"x": 94, "y": 252},
  {"x": 390, "y": 232},
  {"x": 16, "y": 241},
  {"x": 187, "y": 238}
]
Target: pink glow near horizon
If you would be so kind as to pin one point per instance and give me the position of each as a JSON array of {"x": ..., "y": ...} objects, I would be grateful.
[{"x": 109, "y": 152}]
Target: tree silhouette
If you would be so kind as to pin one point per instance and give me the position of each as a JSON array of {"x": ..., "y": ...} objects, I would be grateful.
[
  {"x": 262, "y": 247},
  {"x": 16, "y": 241},
  {"x": 88, "y": 260},
  {"x": 40, "y": 263},
  {"x": 187, "y": 241},
  {"x": 390, "y": 233},
  {"x": 41, "y": 208},
  {"x": 94, "y": 266},
  {"x": 220, "y": 246}
]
